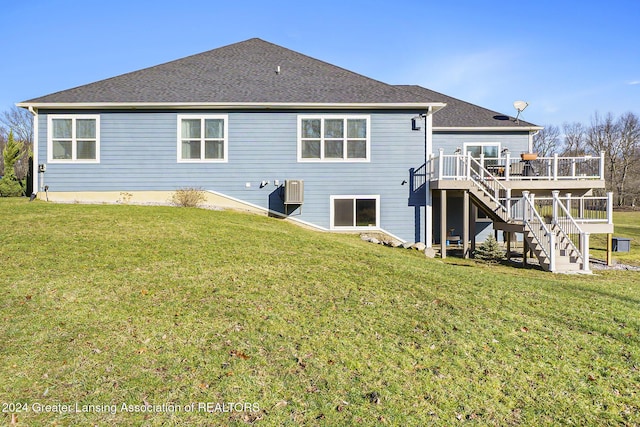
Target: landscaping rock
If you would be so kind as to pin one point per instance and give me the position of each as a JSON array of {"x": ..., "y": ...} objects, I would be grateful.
[
  {"x": 419, "y": 246},
  {"x": 430, "y": 253},
  {"x": 407, "y": 245}
]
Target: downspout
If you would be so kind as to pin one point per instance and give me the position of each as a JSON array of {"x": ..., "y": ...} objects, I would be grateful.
[
  {"x": 531, "y": 135},
  {"x": 428, "y": 149},
  {"x": 35, "y": 148}
]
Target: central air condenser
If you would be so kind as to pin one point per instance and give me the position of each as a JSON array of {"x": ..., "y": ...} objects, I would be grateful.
[{"x": 293, "y": 192}]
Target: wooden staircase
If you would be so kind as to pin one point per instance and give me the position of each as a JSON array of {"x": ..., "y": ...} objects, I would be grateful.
[
  {"x": 550, "y": 243},
  {"x": 566, "y": 257}
]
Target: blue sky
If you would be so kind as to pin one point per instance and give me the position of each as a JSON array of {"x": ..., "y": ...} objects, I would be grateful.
[{"x": 568, "y": 59}]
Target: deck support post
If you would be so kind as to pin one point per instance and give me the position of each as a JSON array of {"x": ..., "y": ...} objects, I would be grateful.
[
  {"x": 443, "y": 224},
  {"x": 465, "y": 224},
  {"x": 609, "y": 249},
  {"x": 472, "y": 228}
]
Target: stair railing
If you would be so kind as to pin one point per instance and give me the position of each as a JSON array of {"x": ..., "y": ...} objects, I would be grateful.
[
  {"x": 570, "y": 230},
  {"x": 541, "y": 233},
  {"x": 486, "y": 182}
]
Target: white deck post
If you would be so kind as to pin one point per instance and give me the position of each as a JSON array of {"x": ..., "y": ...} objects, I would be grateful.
[
  {"x": 569, "y": 203},
  {"x": 584, "y": 237},
  {"x": 554, "y": 205},
  {"x": 602, "y": 165},
  {"x": 507, "y": 166},
  {"x": 440, "y": 163},
  {"x": 552, "y": 252},
  {"x": 468, "y": 165},
  {"x": 555, "y": 166},
  {"x": 610, "y": 207}
]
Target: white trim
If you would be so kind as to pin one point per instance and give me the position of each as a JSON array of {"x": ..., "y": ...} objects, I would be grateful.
[
  {"x": 234, "y": 105},
  {"x": 74, "y": 140},
  {"x": 322, "y": 118},
  {"x": 333, "y": 227},
  {"x": 202, "y": 118},
  {"x": 262, "y": 208},
  {"x": 428, "y": 214},
  {"x": 488, "y": 128}
]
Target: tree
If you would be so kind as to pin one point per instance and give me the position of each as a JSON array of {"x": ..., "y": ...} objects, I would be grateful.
[
  {"x": 20, "y": 122},
  {"x": 574, "y": 139},
  {"x": 601, "y": 137},
  {"x": 620, "y": 141},
  {"x": 9, "y": 184},
  {"x": 628, "y": 151},
  {"x": 547, "y": 141},
  {"x": 489, "y": 250}
]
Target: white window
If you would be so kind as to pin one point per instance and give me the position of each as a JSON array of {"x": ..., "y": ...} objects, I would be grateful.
[
  {"x": 202, "y": 138},
  {"x": 355, "y": 212},
  {"x": 73, "y": 139},
  {"x": 333, "y": 138},
  {"x": 490, "y": 150}
]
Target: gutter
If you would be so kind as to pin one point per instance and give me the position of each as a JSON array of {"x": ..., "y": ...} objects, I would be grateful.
[
  {"x": 231, "y": 105},
  {"x": 489, "y": 128}
]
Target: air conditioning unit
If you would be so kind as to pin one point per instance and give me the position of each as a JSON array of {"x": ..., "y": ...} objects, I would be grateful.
[{"x": 293, "y": 192}]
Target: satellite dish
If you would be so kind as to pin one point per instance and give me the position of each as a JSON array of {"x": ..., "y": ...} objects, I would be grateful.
[{"x": 520, "y": 106}]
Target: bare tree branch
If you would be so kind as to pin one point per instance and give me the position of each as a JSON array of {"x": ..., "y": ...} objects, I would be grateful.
[
  {"x": 20, "y": 121},
  {"x": 574, "y": 139},
  {"x": 547, "y": 141}
]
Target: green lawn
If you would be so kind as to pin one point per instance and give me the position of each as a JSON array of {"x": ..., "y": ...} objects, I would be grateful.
[
  {"x": 627, "y": 224},
  {"x": 126, "y": 305}
]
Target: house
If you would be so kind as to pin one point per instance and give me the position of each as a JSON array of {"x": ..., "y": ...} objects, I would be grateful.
[{"x": 267, "y": 129}]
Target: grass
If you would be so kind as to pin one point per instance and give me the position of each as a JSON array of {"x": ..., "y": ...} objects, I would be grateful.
[
  {"x": 627, "y": 224},
  {"x": 109, "y": 305}
]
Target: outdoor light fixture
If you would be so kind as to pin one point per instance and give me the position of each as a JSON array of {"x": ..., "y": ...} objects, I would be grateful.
[
  {"x": 458, "y": 150},
  {"x": 505, "y": 151},
  {"x": 416, "y": 123}
]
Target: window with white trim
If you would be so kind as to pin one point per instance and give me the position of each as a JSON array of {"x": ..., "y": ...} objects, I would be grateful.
[
  {"x": 355, "y": 212},
  {"x": 73, "y": 138},
  {"x": 490, "y": 150},
  {"x": 202, "y": 138},
  {"x": 333, "y": 138}
]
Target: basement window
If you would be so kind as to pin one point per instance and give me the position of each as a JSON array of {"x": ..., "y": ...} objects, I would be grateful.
[{"x": 355, "y": 212}]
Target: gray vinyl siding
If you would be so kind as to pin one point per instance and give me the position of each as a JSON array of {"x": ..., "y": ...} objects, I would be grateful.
[
  {"x": 517, "y": 142},
  {"x": 138, "y": 152}
]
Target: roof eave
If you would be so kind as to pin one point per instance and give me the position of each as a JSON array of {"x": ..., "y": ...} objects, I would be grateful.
[
  {"x": 435, "y": 106},
  {"x": 486, "y": 128}
]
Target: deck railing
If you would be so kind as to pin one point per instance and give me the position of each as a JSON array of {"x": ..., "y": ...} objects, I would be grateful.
[
  {"x": 539, "y": 230},
  {"x": 507, "y": 168},
  {"x": 568, "y": 228},
  {"x": 585, "y": 209}
]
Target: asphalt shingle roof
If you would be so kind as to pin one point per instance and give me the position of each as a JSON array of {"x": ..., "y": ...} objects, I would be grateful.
[
  {"x": 460, "y": 113},
  {"x": 255, "y": 72},
  {"x": 243, "y": 72}
]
